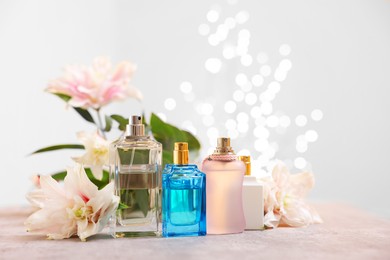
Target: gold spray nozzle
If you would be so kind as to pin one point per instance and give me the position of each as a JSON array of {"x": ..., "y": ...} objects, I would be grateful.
[
  {"x": 223, "y": 146},
  {"x": 180, "y": 153},
  {"x": 247, "y": 160}
]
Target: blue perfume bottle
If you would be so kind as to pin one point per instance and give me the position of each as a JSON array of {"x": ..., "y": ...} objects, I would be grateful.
[{"x": 183, "y": 196}]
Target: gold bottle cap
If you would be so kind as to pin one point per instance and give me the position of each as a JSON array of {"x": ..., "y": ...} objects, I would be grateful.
[
  {"x": 247, "y": 160},
  {"x": 180, "y": 153},
  {"x": 223, "y": 146}
]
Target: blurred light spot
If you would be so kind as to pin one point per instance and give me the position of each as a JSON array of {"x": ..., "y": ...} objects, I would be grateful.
[
  {"x": 261, "y": 145},
  {"x": 272, "y": 121},
  {"x": 170, "y": 104},
  {"x": 233, "y": 134},
  {"x": 301, "y": 139},
  {"x": 228, "y": 52},
  {"x": 256, "y": 112},
  {"x": 212, "y": 16},
  {"x": 262, "y": 57},
  {"x": 274, "y": 87},
  {"x": 257, "y": 80},
  {"x": 232, "y": 2},
  {"x": 270, "y": 152},
  {"x": 204, "y": 29},
  {"x": 230, "y": 107},
  {"x": 300, "y": 163},
  {"x": 284, "y": 49},
  {"x": 242, "y": 17},
  {"x": 213, "y": 40},
  {"x": 244, "y": 152},
  {"x": 285, "y": 65},
  {"x": 266, "y": 108},
  {"x": 230, "y": 124},
  {"x": 246, "y": 60},
  {"x": 244, "y": 34},
  {"x": 317, "y": 115},
  {"x": 301, "y": 147},
  {"x": 311, "y": 136},
  {"x": 162, "y": 116},
  {"x": 265, "y": 70},
  {"x": 242, "y": 117},
  {"x": 267, "y": 96},
  {"x": 186, "y": 87},
  {"x": 187, "y": 125},
  {"x": 230, "y": 22},
  {"x": 284, "y": 121},
  {"x": 222, "y": 32},
  {"x": 260, "y": 120},
  {"x": 247, "y": 87},
  {"x": 238, "y": 95},
  {"x": 261, "y": 132},
  {"x": 207, "y": 109},
  {"x": 280, "y": 75},
  {"x": 208, "y": 120},
  {"x": 301, "y": 120},
  {"x": 213, "y": 65},
  {"x": 251, "y": 98},
  {"x": 241, "y": 79},
  {"x": 212, "y": 133},
  {"x": 242, "y": 127}
]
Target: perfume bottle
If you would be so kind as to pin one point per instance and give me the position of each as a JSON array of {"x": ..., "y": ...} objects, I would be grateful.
[
  {"x": 252, "y": 198},
  {"x": 137, "y": 169},
  {"x": 184, "y": 196},
  {"x": 225, "y": 175}
]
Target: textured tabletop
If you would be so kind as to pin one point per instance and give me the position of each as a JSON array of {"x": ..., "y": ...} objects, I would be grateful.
[{"x": 347, "y": 233}]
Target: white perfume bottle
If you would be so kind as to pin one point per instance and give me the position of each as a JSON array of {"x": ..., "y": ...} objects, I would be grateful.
[{"x": 252, "y": 198}]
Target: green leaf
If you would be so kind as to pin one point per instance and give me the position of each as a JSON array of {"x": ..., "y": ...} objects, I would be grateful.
[
  {"x": 81, "y": 111},
  {"x": 64, "y": 97},
  {"x": 142, "y": 198},
  {"x": 84, "y": 114},
  {"x": 167, "y": 157},
  {"x": 121, "y": 121},
  {"x": 165, "y": 133},
  {"x": 168, "y": 134},
  {"x": 59, "y": 147},
  {"x": 99, "y": 183},
  {"x": 59, "y": 176},
  {"x": 108, "y": 124},
  {"x": 122, "y": 206}
]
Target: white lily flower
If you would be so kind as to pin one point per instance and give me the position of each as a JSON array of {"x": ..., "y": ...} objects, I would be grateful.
[
  {"x": 75, "y": 207},
  {"x": 284, "y": 195},
  {"x": 96, "y": 152}
]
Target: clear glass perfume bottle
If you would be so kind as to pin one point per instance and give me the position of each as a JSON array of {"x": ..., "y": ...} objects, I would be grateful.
[
  {"x": 137, "y": 169},
  {"x": 252, "y": 198},
  {"x": 225, "y": 175},
  {"x": 184, "y": 196}
]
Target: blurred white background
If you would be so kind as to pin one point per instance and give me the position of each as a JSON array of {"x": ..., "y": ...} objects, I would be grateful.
[{"x": 331, "y": 57}]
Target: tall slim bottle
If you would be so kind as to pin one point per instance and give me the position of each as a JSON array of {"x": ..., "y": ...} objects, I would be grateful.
[
  {"x": 252, "y": 198},
  {"x": 225, "y": 175},
  {"x": 137, "y": 166},
  {"x": 184, "y": 196}
]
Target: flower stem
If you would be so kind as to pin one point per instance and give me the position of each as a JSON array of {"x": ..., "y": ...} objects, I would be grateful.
[{"x": 100, "y": 123}]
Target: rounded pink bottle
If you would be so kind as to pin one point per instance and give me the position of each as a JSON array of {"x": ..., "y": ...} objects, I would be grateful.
[{"x": 224, "y": 178}]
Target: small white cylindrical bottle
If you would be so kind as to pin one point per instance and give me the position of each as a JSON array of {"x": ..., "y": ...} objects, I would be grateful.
[{"x": 252, "y": 198}]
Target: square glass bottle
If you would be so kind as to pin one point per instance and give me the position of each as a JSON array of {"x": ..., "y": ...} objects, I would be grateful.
[
  {"x": 137, "y": 169},
  {"x": 184, "y": 196}
]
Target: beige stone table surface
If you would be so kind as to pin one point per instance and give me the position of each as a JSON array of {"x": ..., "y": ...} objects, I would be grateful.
[{"x": 347, "y": 233}]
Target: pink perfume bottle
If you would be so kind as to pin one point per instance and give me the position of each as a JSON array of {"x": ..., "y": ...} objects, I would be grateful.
[{"x": 224, "y": 176}]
